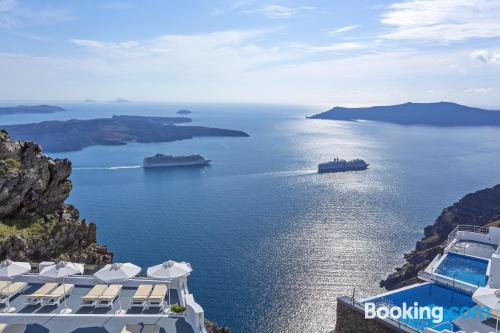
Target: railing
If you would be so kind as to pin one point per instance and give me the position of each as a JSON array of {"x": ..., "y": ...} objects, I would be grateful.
[
  {"x": 450, "y": 282},
  {"x": 465, "y": 227},
  {"x": 430, "y": 267}
]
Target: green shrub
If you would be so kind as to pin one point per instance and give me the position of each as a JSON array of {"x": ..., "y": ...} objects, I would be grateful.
[
  {"x": 8, "y": 165},
  {"x": 177, "y": 308}
]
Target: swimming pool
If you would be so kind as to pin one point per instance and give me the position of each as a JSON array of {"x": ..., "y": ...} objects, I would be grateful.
[
  {"x": 464, "y": 268},
  {"x": 428, "y": 294}
]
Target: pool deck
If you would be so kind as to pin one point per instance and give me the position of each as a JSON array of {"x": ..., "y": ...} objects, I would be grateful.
[
  {"x": 88, "y": 319},
  {"x": 476, "y": 325},
  {"x": 475, "y": 249}
]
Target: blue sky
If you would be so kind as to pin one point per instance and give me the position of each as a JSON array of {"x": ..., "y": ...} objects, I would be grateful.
[{"x": 301, "y": 52}]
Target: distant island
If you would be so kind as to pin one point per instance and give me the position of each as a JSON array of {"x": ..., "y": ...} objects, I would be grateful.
[
  {"x": 30, "y": 109},
  {"x": 89, "y": 101},
  {"x": 184, "y": 112},
  {"x": 72, "y": 135},
  {"x": 120, "y": 100},
  {"x": 436, "y": 114}
]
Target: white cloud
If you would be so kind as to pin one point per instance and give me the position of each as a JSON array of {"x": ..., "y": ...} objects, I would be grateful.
[
  {"x": 236, "y": 66},
  {"x": 337, "y": 47},
  {"x": 14, "y": 14},
  {"x": 343, "y": 29},
  {"x": 479, "y": 90},
  {"x": 486, "y": 56},
  {"x": 278, "y": 11},
  {"x": 442, "y": 20}
]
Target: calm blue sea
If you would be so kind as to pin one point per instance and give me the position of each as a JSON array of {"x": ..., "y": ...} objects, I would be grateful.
[{"x": 272, "y": 242}]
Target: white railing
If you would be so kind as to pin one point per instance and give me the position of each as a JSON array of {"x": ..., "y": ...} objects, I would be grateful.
[
  {"x": 451, "y": 282},
  {"x": 430, "y": 268},
  {"x": 465, "y": 227}
]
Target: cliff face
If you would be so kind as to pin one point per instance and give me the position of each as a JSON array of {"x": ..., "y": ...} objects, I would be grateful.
[
  {"x": 35, "y": 224},
  {"x": 480, "y": 209}
]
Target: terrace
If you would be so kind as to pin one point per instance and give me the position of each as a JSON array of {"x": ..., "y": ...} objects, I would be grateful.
[{"x": 90, "y": 319}]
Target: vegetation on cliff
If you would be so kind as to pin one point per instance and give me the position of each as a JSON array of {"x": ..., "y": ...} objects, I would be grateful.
[
  {"x": 35, "y": 224},
  {"x": 481, "y": 208}
]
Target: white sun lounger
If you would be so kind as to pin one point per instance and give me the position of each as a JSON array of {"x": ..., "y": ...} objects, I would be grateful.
[
  {"x": 131, "y": 329},
  {"x": 57, "y": 295},
  {"x": 90, "y": 299},
  {"x": 149, "y": 328},
  {"x": 12, "y": 290},
  {"x": 37, "y": 297},
  {"x": 14, "y": 328},
  {"x": 109, "y": 295},
  {"x": 141, "y": 295},
  {"x": 4, "y": 284},
  {"x": 157, "y": 296}
]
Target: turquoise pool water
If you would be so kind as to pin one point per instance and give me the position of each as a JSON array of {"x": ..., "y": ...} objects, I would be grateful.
[
  {"x": 464, "y": 268},
  {"x": 451, "y": 300}
]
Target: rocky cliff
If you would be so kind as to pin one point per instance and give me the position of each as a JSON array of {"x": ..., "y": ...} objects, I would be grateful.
[
  {"x": 35, "y": 224},
  {"x": 481, "y": 208}
]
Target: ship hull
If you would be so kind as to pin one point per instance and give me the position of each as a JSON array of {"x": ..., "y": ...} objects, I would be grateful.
[
  {"x": 173, "y": 165},
  {"x": 332, "y": 170}
]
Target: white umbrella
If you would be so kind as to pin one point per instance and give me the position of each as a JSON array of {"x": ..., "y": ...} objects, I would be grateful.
[
  {"x": 9, "y": 270},
  {"x": 61, "y": 270},
  {"x": 169, "y": 270},
  {"x": 117, "y": 273},
  {"x": 488, "y": 297}
]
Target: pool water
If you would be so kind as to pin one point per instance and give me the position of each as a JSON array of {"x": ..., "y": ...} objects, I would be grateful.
[
  {"x": 464, "y": 268},
  {"x": 429, "y": 294}
]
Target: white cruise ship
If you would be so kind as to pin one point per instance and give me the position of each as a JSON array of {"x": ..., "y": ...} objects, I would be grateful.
[
  {"x": 160, "y": 160},
  {"x": 339, "y": 165}
]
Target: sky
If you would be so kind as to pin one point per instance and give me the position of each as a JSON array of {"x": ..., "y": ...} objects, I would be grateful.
[{"x": 323, "y": 52}]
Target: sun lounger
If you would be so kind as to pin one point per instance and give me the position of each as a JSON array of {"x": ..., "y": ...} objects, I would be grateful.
[
  {"x": 4, "y": 284},
  {"x": 141, "y": 295},
  {"x": 37, "y": 297},
  {"x": 148, "y": 328},
  {"x": 157, "y": 296},
  {"x": 2, "y": 327},
  {"x": 90, "y": 299},
  {"x": 14, "y": 328},
  {"x": 131, "y": 329},
  {"x": 12, "y": 290},
  {"x": 57, "y": 295},
  {"x": 109, "y": 295}
]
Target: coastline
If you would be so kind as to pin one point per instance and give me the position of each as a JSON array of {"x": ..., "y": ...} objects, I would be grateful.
[{"x": 481, "y": 208}]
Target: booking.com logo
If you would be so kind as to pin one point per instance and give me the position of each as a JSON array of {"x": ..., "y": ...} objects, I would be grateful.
[{"x": 435, "y": 314}]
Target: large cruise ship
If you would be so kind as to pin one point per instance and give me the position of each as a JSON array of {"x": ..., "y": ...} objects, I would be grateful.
[
  {"x": 339, "y": 165},
  {"x": 160, "y": 160}
]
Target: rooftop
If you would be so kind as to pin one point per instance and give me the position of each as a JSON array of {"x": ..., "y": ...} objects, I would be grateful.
[{"x": 83, "y": 319}]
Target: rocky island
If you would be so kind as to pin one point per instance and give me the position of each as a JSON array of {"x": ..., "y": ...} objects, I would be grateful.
[
  {"x": 434, "y": 114},
  {"x": 30, "y": 109},
  {"x": 71, "y": 135},
  {"x": 481, "y": 208},
  {"x": 184, "y": 112},
  {"x": 35, "y": 223}
]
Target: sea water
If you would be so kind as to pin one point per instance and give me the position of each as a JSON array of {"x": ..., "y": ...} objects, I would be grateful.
[{"x": 272, "y": 243}]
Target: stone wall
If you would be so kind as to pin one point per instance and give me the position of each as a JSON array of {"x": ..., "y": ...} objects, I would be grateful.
[{"x": 352, "y": 320}]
